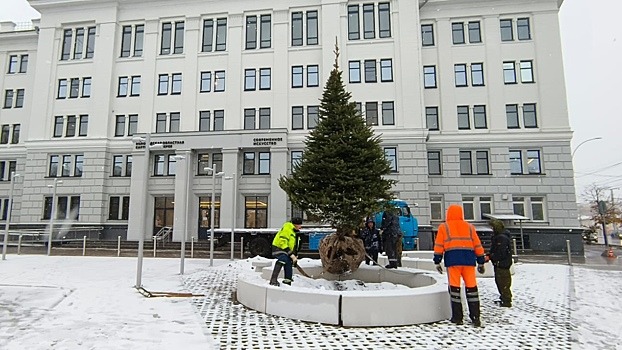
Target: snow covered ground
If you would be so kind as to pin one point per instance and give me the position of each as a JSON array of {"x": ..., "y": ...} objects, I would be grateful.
[{"x": 89, "y": 303}]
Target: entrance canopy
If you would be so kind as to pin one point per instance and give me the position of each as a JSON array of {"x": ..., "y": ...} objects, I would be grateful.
[{"x": 506, "y": 216}]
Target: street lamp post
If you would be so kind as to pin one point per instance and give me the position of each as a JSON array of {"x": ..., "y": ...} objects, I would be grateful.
[
  {"x": 52, "y": 214},
  {"x": 211, "y": 225},
  {"x": 185, "y": 206},
  {"x": 233, "y": 207},
  {"x": 581, "y": 143},
  {"x": 8, "y": 217}
]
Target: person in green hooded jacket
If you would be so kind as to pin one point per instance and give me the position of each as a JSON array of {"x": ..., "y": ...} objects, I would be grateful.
[{"x": 285, "y": 248}]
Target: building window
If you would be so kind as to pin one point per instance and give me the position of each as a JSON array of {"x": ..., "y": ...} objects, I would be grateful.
[
  {"x": 164, "y": 212},
  {"x": 123, "y": 87},
  {"x": 516, "y": 162},
  {"x": 354, "y": 68},
  {"x": 437, "y": 212},
  {"x": 74, "y": 88},
  {"x": 176, "y": 84},
  {"x": 522, "y": 29},
  {"x": 313, "y": 75},
  {"x": 485, "y": 207},
  {"x": 475, "y": 35},
  {"x": 313, "y": 116},
  {"x": 126, "y": 40},
  {"x": 533, "y": 162},
  {"x": 219, "y": 120},
  {"x": 73, "y": 123},
  {"x": 249, "y": 119},
  {"x": 509, "y": 73},
  {"x": 208, "y": 35},
  {"x": 86, "y": 87},
  {"x": 264, "y": 118},
  {"x": 117, "y": 166},
  {"x": 251, "y": 32},
  {"x": 265, "y": 35},
  {"x": 529, "y": 115},
  {"x": 61, "y": 207},
  {"x": 296, "y": 159},
  {"x": 4, "y": 137},
  {"x": 390, "y": 154},
  {"x": 205, "y": 212},
  {"x": 535, "y": 204},
  {"x": 15, "y": 134},
  {"x": 511, "y": 113},
  {"x": 370, "y": 71},
  {"x": 468, "y": 208},
  {"x": 369, "y": 23},
  {"x": 388, "y": 113},
  {"x": 463, "y": 118},
  {"x": 10, "y": 167},
  {"x": 73, "y": 42},
  {"x": 297, "y": 77},
  {"x": 256, "y": 212},
  {"x": 209, "y": 160},
  {"x": 265, "y": 79},
  {"x": 219, "y": 81},
  {"x": 204, "y": 120},
  {"x": 250, "y": 79},
  {"x": 386, "y": 70},
  {"x": 312, "y": 28},
  {"x": 354, "y": 25},
  {"x": 119, "y": 208},
  {"x": 537, "y": 208},
  {"x": 84, "y": 125},
  {"x": 172, "y": 37},
  {"x": 18, "y": 64},
  {"x": 297, "y": 117},
  {"x": 62, "y": 88},
  {"x": 476, "y": 207},
  {"x": 206, "y": 82},
  {"x": 457, "y": 33},
  {"x": 526, "y": 71},
  {"x": 479, "y": 117},
  {"x": 481, "y": 163},
  {"x": 460, "y": 75},
  {"x": 384, "y": 20},
  {"x": 429, "y": 77},
  {"x": 371, "y": 113},
  {"x": 431, "y": 118},
  {"x": 171, "y": 120},
  {"x": 477, "y": 74},
  {"x": 8, "y": 98},
  {"x": 266, "y": 31},
  {"x": 427, "y": 35},
  {"x": 434, "y": 163},
  {"x": 251, "y": 167},
  {"x": 507, "y": 33},
  {"x": 297, "y": 30},
  {"x": 72, "y": 165}
]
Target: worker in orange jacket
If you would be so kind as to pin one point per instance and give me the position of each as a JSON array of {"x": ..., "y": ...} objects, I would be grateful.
[{"x": 458, "y": 243}]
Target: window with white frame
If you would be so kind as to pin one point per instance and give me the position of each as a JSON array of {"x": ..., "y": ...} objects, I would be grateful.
[
  {"x": 526, "y": 71},
  {"x": 18, "y": 64},
  {"x": 132, "y": 39},
  {"x": 525, "y": 162},
  {"x": 354, "y": 70},
  {"x": 437, "y": 210},
  {"x": 126, "y": 125},
  {"x": 250, "y": 118},
  {"x": 211, "y": 36},
  {"x": 172, "y": 38},
  {"x": 299, "y": 26},
  {"x": 71, "y": 125},
  {"x": 370, "y": 25},
  {"x": 390, "y": 154},
  {"x": 509, "y": 72},
  {"x": 264, "y": 27},
  {"x": 211, "y": 121},
  {"x": 164, "y": 164},
  {"x": 523, "y": 29},
  {"x": 531, "y": 207},
  {"x": 460, "y": 75},
  {"x": 256, "y": 163},
  {"x": 121, "y": 165},
  {"x": 14, "y": 98},
  {"x": 474, "y": 162},
  {"x": 435, "y": 162},
  {"x": 74, "y": 46},
  {"x": 169, "y": 84},
  {"x": 129, "y": 86},
  {"x": 477, "y": 74},
  {"x": 474, "y": 207},
  {"x": 70, "y": 88}
]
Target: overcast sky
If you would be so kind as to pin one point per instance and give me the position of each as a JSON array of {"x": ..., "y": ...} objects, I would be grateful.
[{"x": 591, "y": 39}]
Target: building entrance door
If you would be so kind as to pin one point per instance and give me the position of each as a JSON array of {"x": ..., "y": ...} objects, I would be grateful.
[
  {"x": 204, "y": 215},
  {"x": 164, "y": 213}
]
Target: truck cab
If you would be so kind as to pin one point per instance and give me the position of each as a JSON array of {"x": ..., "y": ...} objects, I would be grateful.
[{"x": 408, "y": 223}]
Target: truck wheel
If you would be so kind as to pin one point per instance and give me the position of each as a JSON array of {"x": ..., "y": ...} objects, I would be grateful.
[{"x": 260, "y": 246}]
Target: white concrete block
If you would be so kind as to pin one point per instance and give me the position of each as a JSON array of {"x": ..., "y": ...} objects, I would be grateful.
[
  {"x": 252, "y": 295},
  {"x": 306, "y": 305}
]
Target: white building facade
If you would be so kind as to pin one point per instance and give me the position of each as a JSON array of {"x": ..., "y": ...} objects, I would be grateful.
[{"x": 468, "y": 96}]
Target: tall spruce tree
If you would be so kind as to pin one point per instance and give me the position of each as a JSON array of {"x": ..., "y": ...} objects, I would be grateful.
[{"x": 340, "y": 178}]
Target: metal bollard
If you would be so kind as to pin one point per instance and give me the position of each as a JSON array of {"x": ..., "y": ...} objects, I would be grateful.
[
  {"x": 84, "y": 246},
  {"x": 19, "y": 244},
  {"x": 118, "y": 245},
  {"x": 192, "y": 247},
  {"x": 154, "y": 246},
  {"x": 568, "y": 250},
  {"x": 241, "y": 247},
  {"x": 417, "y": 240},
  {"x": 515, "y": 250}
]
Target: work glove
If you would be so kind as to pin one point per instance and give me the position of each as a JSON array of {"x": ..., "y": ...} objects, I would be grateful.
[
  {"x": 294, "y": 259},
  {"x": 439, "y": 268},
  {"x": 481, "y": 269}
]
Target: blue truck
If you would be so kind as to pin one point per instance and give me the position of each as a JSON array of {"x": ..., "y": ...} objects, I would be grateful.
[{"x": 408, "y": 223}]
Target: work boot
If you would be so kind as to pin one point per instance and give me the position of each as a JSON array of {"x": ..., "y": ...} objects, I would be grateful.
[
  {"x": 456, "y": 305},
  {"x": 472, "y": 295},
  {"x": 287, "y": 281},
  {"x": 275, "y": 274},
  {"x": 392, "y": 265}
]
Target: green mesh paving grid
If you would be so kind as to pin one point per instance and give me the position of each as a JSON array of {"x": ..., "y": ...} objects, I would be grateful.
[{"x": 538, "y": 320}]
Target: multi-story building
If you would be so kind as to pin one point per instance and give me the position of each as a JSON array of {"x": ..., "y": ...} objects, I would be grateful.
[{"x": 468, "y": 96}]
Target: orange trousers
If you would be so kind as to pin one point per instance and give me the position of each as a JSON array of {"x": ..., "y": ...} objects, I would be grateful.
[{"x": 467, "y": 273}]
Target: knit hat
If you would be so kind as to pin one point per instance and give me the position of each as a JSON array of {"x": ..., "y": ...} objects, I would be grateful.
[{"x": 297, "y": 221}]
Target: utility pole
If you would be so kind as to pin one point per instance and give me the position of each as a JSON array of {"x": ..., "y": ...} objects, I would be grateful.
[
  {"x": 613, "y": 206},
  {"x": 602, "y": 210}
]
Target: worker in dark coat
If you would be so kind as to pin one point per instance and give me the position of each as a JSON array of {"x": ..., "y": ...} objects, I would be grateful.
[
  {"x": 500, "y": 255},
  {"x": 391, "y": 233},
  {"x": 371, "y": 240}
]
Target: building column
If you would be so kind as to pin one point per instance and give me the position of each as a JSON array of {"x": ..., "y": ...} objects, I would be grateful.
[
  {"x": 182, "y": 196},
  {"x": 277, "y": 210},
  {"x": 227, "y": 196}
]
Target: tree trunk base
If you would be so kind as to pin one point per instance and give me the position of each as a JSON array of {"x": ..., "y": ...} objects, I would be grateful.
[{"x": 341, "y": 254}]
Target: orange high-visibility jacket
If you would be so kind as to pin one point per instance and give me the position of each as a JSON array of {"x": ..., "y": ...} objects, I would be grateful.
[{"x": 457, "y": 241}]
